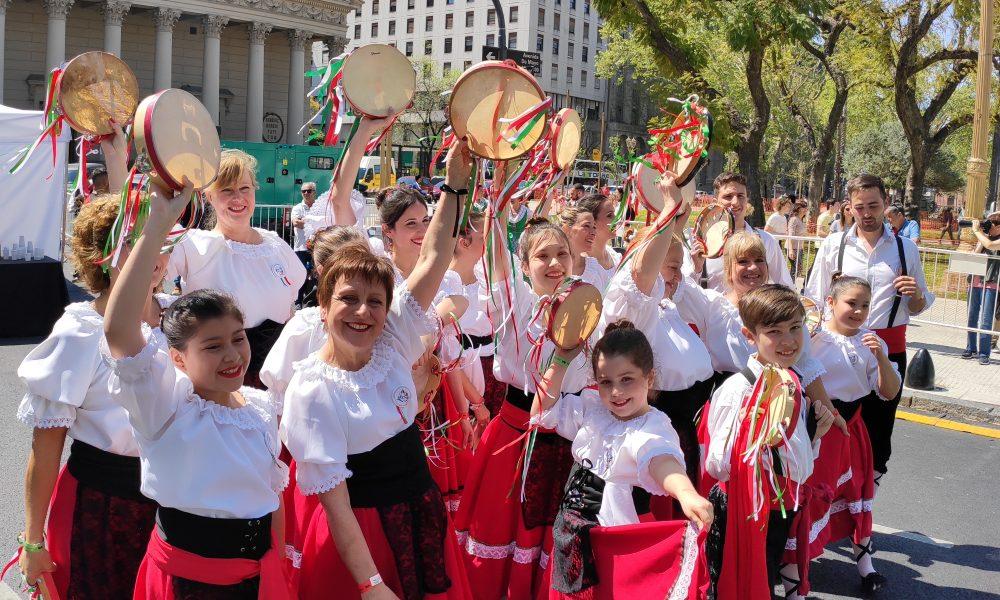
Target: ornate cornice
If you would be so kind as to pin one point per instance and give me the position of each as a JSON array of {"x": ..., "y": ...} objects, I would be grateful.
[
  {"x": 213, "y": 24},
  {"x": 257, "y": 32},
  {"x": 57, "y": 8},
  {"x": 114, "y": 11},
  {"x": 323, "y": 12},
  {"x": 166, "y": 18}
]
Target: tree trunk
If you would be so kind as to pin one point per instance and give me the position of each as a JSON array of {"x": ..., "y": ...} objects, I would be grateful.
[
  {"x": 915, "y": 178},
  {"x": 749, "y": 161},
  {"x": 838, "y": 167},
  {"x": 991, "y": 195},
  {"x": 752, "y": 141}
]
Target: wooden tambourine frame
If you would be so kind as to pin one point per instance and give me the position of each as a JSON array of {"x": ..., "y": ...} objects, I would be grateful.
[
  {"x": 176, "y": 137},
  {"x": 574, "y": 314},
  {"x": 813, "y": 317},
  {"x": 96, "y": 89},
  {"x": 487, "y": 92},
  {"x": 378, "y": 81},
  {"x": 713, "y": 227}
]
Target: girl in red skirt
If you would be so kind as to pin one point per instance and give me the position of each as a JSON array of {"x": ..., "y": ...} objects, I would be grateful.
[
  {"x": 208, "y": 445},
  {"x": 98, "y": 520},
  {"x": 349, "y": 424},
  {"x": 619, "y": 443},
  {"x": 507, "y": 540},
  {"x": 857, "y": 367}
]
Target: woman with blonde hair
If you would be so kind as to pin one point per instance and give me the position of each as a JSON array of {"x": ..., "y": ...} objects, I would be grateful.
[{"x": 253, "y": 265}]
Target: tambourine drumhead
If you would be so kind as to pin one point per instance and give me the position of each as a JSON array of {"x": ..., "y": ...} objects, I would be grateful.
[
  {"x": 176, "y": 134},
  {"x": 645, "y": 179},
  {"x": 96, "y": 88},
  {"x": 489, "y": 91},
  {"x": 814, "y": 315},
  {"x": 434, "y": 377},
  {"x": 378, "y": 80},
  {"x": 574, "y": 315},
  {"x": 567, "y": 131},
  {"x": 782, "y": 402},
  {"x": 714, "y": 226}
]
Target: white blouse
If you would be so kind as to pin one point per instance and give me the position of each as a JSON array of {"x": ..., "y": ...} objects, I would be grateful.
[
  {"x": 595, "y": 274},
  {"x": 302, "y": 335},
  {"x": 264, "y": 278},
  {"x": 851, "y": 368},
  {"x": 515, "y": 356},
  {"x": 198, "y": 456},
  {"x": 723, "y": 425},
  {"x": 620, "y": 451},
  {"x": 331, "y": 413},
  {"x": 680, "y": 357}
]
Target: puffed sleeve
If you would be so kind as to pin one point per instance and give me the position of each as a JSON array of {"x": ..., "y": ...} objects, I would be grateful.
[
  {"x": 567, "y": 416},
  {"x": 177, "y": 266},
  {"x": 299, "y": 338},
  {"x": 148, "y": 386},
  {"x": 59, "y": 371},
  {"x": 808, "y": 368},
  {"x": 451, "y": 285},
  {"x": 722, "y": 417},
  {"x": 313, "y": 429},
  {"x": 656, "y": 438},
  {"x": 624, "y": 300},
  {"x": 407, "y": 322}
]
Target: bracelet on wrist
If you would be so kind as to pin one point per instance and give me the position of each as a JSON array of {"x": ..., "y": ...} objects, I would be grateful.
[
  {"x": 450, "y": 190},
  {"x": 373, "y": 581},
  {"x": 562, "y": 362},
  {"x": 28, "y": 546}
]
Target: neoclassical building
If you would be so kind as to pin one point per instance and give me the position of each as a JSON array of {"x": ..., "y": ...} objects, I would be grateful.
[{"x": 244, "y": 58}]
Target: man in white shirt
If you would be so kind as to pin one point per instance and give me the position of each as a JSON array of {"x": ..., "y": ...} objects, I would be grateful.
[
  {"x": 777, "y": 223},
  {"x": 299, "y": 212},
  {"x": 731, "y": 192},
  {"x": 891, "y": 264}
]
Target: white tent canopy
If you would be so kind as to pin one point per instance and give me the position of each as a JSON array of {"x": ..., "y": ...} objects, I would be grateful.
[{"x": 33, "y": 201}]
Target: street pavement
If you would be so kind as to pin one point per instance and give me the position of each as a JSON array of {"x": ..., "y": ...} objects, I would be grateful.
[{"x": 937, "y": 514}]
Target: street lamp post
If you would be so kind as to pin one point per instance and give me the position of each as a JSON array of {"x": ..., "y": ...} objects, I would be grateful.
[
  {"x": 978, "y": 166},
  {"x": 502, "y": 24}
]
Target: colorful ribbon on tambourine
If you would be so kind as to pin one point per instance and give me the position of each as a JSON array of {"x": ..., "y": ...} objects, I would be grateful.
[
  {"x": 687, "y": 139},
  {"x": 517, "y": 128},
  {"x": 52, "y": 122},
  {"x": 333, "y": 108}
]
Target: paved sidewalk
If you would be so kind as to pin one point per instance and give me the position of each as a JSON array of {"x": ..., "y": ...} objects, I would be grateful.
[{"x": 963, "y": 389}]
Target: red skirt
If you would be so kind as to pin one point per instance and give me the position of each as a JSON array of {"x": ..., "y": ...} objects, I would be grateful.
[
  {"x": 503, "y": 557},
  {"x": 164, "y": 563},
  {"x": 323, "y": 574},
  {"x": 495, "y": 391},
  {"x": 851, "y": 511},
  {"x": 705, "y": 481},
  {"x": 298, "y": 513},
  {"x": 96, "y": 539},
  {"x": 647, "y": 560},
  {"x": 448, "y": 461}
]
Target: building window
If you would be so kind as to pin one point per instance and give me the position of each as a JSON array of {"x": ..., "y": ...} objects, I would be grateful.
[
  {"x": 586, "y": 31},
  {"x": 470, "y": 18},
  {"x": 585, "y": 53},
  {"x": 429, "y": 23},
  {"x": 555, "y": 46},
  {"x": 541, "y": 16},
  {"x": 410, "y": 4},
  {"x": 450, "y": 2},
  {"x": 392, "y": 28},
  {"x": 357, "y": 31},
  {"x": 556, "y": 22},
  {"x": 491, "y": 17},
  {"x": 409, "y": 26},
  {"x": 430, "y": 3},
  {"x": 446, "y": 67},
  {"x": 597, "y": 83},
  {"x": 449, "y": 20},
  {"x": 586, "y": 7},
  {"x": 357, "y": 13},
  {"x": 375, "y": 7},
  {"x": 409, "y": 48},
  {"x": 513, "y": 14},
  {"x": 570, "y": 50},
  {"x": 540, "y": 43},
  {"x": 512, "y": 40},
  {"x": 392, "y": 6},
  {"x": 374, "y": 29},
  {"x": 447, "y": 45},
  {"x": 572, "y": 4},
  {"x": 572, "y": 26},
  {"x": 428, "y": 46},
  {"x": 555, "y": 74},
  {"x": 583, "y": 79},
  {"x": 569, "y": 74},
  {"x": 468, "y": 43},
  {"x": 491, "y": 40}
]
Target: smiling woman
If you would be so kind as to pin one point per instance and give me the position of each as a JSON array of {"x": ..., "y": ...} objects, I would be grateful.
[{"x": 254, "y": 266}]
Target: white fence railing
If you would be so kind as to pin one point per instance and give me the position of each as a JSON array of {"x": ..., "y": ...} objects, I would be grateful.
[{"x": 278, "y": 218}]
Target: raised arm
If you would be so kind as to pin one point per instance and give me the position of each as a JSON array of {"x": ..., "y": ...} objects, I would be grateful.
[
  {"x": 649, "y": 260},
  {"x": 439, "y": 244},
  {"x": 347, "y": 173},
  {"x": 551, "y": 385},
  {"x": 115, "y": 151},
  {"x": 123, "y": 318}
]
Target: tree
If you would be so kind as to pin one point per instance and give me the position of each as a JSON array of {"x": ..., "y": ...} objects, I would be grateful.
[{"x": 424, "y": 122}]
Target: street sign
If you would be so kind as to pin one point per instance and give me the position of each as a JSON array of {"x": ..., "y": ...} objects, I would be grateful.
[{"x": 531, "y": 61}]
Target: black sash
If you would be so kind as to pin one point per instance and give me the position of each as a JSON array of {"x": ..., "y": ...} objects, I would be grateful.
[
  {"x": 471, "y": 342},
  {"x": 574, "y": 568},
  {"x": 847, "y": 409},
  {"x": 261, "y": 339},
  {"x": 112, "y": 474},
  {"x": 214, "y": 538},
  {"x": 519, "y": 398},
  {"x": 393, "y": 472}
]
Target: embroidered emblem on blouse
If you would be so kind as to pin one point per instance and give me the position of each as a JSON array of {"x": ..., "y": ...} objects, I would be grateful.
[
  {"x": 279, "y": 272},
  {"x": 853, "y": 358},
  {"x": 401, "y": 397}
]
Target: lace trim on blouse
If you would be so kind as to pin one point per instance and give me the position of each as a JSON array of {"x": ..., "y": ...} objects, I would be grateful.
[
  {"x": 327, "y": 484},
  {"x": 269, "y": 246},
  {"x": 367, "y": 377},
  {"x": 26, "y": 415}
]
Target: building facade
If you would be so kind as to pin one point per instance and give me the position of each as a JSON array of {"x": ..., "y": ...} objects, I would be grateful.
[
  {"x": 245, "y": 59},
  {"x": 565, "y": 33}
]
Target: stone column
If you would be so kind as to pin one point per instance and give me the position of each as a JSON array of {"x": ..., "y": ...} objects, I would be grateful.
[
  {"x": 213, "y": 25},
  {"x": 164, "y": 19},
  {"x": 257, "y": 33},
  {"x": 296, "y": 90},
  {"x": 114, "y": 12},
  {"x": 55, "y": 49},
  {"x": 3, "y": 40}
]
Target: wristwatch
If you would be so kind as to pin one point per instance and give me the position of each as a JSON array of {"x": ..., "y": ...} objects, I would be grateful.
[{"x": 373, "y": 581}]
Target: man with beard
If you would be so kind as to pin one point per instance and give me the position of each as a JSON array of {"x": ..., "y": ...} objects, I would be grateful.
[{"x": 891, "y": 264}]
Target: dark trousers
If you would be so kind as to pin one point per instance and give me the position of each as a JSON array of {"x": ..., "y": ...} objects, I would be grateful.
[
  {"x": 306, "y": 257},
  {"x": 880, "y": 416}
]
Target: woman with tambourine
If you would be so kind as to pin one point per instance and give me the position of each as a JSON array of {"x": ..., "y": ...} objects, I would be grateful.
[
  {"x": 253, "y": 265},
  {"x": 580, "y": 230},
  {"x": 603, "y": 208}
]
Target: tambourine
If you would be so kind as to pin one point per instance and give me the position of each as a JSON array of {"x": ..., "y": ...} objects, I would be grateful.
[
  {"x": 433, "y": 382},
  {"x": 489, "y": 97},
  {"x": 695, "y": 155},
  {"x": 574, "y": 314},
  {"x": 567, "y": 132},
  {"x": 713, "y": 229},
  {"x": 814, "y": 315},
  {"x": 782, "y": 402},
  {"x": 644, "y": 182},
  {"x": 176, "y": 137},
  {"x": 96, "y": 88},
  {"x": 378, "y": 81}
]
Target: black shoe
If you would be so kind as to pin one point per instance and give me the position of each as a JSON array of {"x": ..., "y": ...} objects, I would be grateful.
[
  {"x": 968, "y": 354},
  {"x": 872, "y": 583},
  {"x": 984, "y": 360}
]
